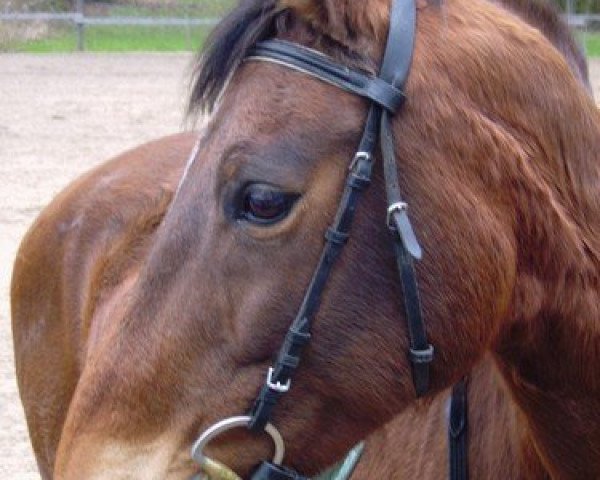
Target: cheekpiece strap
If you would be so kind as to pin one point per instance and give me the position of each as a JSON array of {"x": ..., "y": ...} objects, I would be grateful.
[{"x": 395, "y": 68}]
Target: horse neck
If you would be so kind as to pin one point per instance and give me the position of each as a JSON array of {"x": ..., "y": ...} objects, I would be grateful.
[
  {"x": 545, "y": 16},
  {"x": 552, "y": 373},
  {"x": 562, "y": 420},
  {"x": 550, "y": 352},
  {"x": 415, "y": 443},
  {"x": 499, "y": 439}
]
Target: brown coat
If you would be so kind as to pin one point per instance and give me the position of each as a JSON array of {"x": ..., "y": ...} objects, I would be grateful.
[{"x": 139, "y": 319}]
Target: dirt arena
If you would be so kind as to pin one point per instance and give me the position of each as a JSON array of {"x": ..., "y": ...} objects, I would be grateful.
[{"x": 60, "y": 116}]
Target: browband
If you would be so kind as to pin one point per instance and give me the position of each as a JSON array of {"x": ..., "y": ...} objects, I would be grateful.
[{"x": 315, "y": 64}]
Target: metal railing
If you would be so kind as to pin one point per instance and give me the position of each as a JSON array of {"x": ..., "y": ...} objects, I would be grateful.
[
  {"x": 80, "y": 20},
  {"x": 582, "y": 20}
]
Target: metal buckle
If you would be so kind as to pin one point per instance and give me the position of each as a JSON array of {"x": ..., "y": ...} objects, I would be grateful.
[
  {"x": 393, "y": 208},
  {"x": 422, "y": 356},
  {"x": 359, "y": 156},
  {"x": 277, "y": 386},
  {"x": 217, "y": 470}
]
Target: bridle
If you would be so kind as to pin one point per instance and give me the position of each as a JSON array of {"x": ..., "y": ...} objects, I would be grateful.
[{"x": 385, "y": 93}]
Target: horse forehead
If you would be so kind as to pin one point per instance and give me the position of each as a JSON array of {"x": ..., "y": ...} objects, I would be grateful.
[{"x": 264, "y": 92}]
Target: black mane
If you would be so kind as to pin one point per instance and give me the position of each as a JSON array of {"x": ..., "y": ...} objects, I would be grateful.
[{"x": 226, "y": 47}]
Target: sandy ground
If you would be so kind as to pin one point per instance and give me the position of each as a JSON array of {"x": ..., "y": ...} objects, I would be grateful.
[{"x": 60, "y": 115}]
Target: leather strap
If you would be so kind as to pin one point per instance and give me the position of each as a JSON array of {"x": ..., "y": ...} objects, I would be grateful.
[
  {"x": 395, "y": 68},
  {"x": 385, "y": 101},
  {"x": 407, "y": 249},
  {"x": 457, "y": 432},
  {"x": 268, "y": 471},
  {"x": 314, "y": 63},
  {"x": 298, "y": 335}
]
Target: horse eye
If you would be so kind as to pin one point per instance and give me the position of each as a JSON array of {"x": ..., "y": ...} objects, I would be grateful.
[{"x": 266, "y": 204}]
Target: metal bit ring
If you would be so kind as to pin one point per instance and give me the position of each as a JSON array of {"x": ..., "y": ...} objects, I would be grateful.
[{"x": 218, "y": 471}]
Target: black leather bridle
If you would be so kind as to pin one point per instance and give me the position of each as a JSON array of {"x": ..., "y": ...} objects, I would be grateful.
[
  {"x": 386, "y": 97},
  {"x": 385, "y": 93}
]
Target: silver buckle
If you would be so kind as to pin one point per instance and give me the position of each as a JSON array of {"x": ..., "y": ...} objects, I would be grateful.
[
  {"x": 277, "y": 386},
  {"x": 393, "y": 208},
  {"x": 359, "y": 156}
]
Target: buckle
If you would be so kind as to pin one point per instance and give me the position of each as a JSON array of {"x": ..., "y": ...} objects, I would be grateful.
[
  {"x": 366, "y": 156},
  {"x": 422, "y": 356},
  {"x": 277, "y": 386},
  {"x": 397, "y": 207}
]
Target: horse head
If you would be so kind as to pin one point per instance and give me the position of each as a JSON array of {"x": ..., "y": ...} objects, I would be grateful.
[{"x": 480, "y": 145}]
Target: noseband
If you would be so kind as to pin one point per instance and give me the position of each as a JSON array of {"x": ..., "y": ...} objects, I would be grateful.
[{"x": 385, "y": 93}]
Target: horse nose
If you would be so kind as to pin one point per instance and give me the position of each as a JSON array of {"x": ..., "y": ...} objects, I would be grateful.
[{"x": 108, "y": 459}]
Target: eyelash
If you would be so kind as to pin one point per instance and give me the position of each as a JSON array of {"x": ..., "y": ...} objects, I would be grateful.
[{"x": 264, "y": 204}]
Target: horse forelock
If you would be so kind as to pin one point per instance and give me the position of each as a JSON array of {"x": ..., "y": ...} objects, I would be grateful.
[
  {"x": 353, "y": 33},
  {"x": 227, "y": 46}
]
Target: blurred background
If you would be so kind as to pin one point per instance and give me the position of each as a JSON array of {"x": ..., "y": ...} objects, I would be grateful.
[
  {"x": 155, "y": 25},
  {"x": 108, "y": 26}
]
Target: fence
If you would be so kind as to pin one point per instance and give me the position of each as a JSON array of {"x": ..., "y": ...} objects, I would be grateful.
[
  {"x": 583, "y": 21},
  {"x": 82, "y": 14},
  {"x": 183, "y": 14}
]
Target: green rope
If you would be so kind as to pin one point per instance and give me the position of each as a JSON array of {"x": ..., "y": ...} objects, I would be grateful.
[{"x": 345, "y": 468}]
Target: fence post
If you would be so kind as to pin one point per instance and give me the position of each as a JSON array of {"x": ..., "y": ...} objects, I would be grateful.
[
  {"x": 79, "y": 5},
  {"x": 188, "y": 27}
]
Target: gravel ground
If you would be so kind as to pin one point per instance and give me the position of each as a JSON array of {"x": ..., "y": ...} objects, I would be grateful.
[{"x": 61, "y": 115}]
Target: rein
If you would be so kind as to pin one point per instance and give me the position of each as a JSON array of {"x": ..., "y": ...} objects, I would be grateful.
[{"x": 385, "y": 92}]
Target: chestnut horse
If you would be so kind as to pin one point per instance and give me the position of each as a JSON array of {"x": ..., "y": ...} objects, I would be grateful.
[{"x": 150, "y": 329}]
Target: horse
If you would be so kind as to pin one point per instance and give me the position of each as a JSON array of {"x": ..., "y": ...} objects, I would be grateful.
[
  {"x": 110, "y": 301},
  {"x": 117, "y": 183}
]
